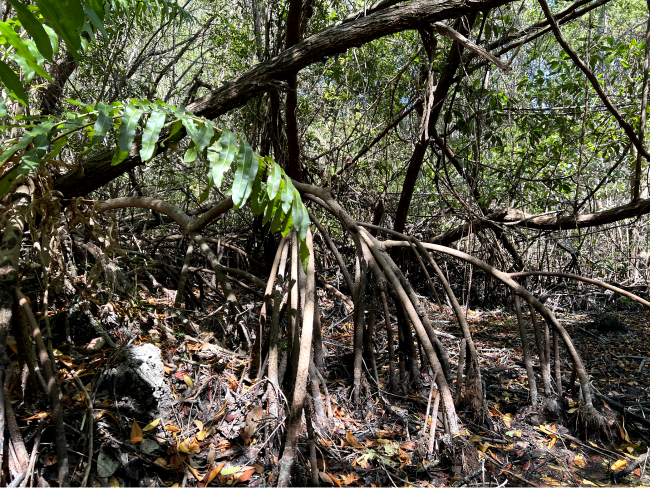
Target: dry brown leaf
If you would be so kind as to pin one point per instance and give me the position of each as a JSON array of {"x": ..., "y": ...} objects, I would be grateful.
[
  {"x": 136, "y": 433},
  {"x": 408, "y": 446},
  {"x": 352, "y": 441},
  {"x": 213, "y": 473},
  {"x": 336, "y": 482},
  {"x": 351, "y": 478},
  {"x": 245, "y": 476},
  {"x": 193, "y": 471},
  {"x": 324, "y": 477},
  {"x": 172, "y": 428},
  {"x": 258, "y": 468}
]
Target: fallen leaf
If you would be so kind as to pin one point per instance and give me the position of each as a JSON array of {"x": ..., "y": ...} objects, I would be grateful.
[
  {"x": 325, "y": 478},
  {"x": 213, "y": 473},
  {"x": 136, "y": 433},
  {"x": 199, "y": 424},
  {"x": 620, "y": 464},
  {"x": 580, "y": 461},
  {"x": 172, "y": 428},
  {"x": 351, "y": 478},
  {"x": 151, "y": 426},
  {"x": 352, "y": 441},
  {"x": 189, "y": 446},
  {"x": 188, "y": 381},
  {"x": 246, "y": 475},
  {"x": 475, "y": 438},
  {"x": 408, "y": 446},
  {"x": 106, "y": 412}
]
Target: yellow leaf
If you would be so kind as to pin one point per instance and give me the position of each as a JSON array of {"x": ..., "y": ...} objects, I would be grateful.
[
  {"x": 136, "y": 433},
  {"x": 172, "y": 428},
  {"x": 201, "y": 435},
  {"x": 189, "y": 446},
  {"x": 620, "y": 464},
  {"x": 475, "y": 438},
  {"x": 580, "y": 461},
  {"x": 199, "y": 424},
  {"x": 352, "y": 441},
  {"x": 590, "y": 483},
  {"x": 593, "y": 443},
  {"x": 161, "y": 462},
  {"x": 150, "y": 426},
  {"x": 114, "y": 483},
  {"x": 552, "y": 443},
  {"x": 188, "y": 381},
  {"x": 571, "y": 410}
]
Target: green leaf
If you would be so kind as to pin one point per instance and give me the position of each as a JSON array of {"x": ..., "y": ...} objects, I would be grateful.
[
  {"x": 104, "y": 122},
  {"x": 9, "y": 178},
  {"x": 151, "y": 134},
  {"x": 272, "y": 208},
  {"x": 204, "y": 137},
  {"x": 191, "y": 154},
  {"x": 12, "y": 83},
  {"x": 220, "y": 155},
  {"x": 21, "y": 144},
  {"x": 95, "y": 20},
  {"x": 300, "y": 216},
  {"x": 39, "y": 136},
  {"x": 192, "y": 131},
  {"x": 34, "y": 28},
  {"x": 21, "y": 48},
  {"x": 304, "y": 254},
  {"x": 206, "y": 192},
  {"x": 3, "y": 108},
  {"x": 126, "y": 133},
  {"x": 54, "y": 38},
  {"x": 273, "y": 183},
  {"x": 243, "y": 180},
  {"x": 66, "y": 17},
  {"x": 279, "y": 218},
  {"x": 287, "y": 225},
  {"x": 259, "y": 199},
  {"x": 57, "y": 147},
  {"x": 287, "y": 194},
  {"x": 98, "y": 7}
]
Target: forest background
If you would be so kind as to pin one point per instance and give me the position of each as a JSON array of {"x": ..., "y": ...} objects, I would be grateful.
[{"x": 401, "y": 157}]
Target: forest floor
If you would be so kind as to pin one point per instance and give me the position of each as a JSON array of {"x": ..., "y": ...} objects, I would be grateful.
[{"x": 376, "y": 443}]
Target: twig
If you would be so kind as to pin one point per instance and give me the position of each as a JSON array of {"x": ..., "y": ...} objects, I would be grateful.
[
  {"x": 89, "y": 404},
  {"x": 53, "y": 388},
  {"x": 631, "y": 467},
  {"x": 32, "y": 458},
  {"x": 259, "y": 449},
  {"x": 507, "y": 471},
  {"x": 469, "y": 477}
]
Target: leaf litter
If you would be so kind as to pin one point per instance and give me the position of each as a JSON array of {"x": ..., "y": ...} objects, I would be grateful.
[{"x": 221, "y": 432}]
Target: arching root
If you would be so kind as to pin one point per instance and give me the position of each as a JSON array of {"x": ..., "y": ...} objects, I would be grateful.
[
  {"x": 593, "y": 424},
  {"x": 544, "y": 411},
  {"x": 472, "y": 403},
  {"x": 460, "y": 454}
]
